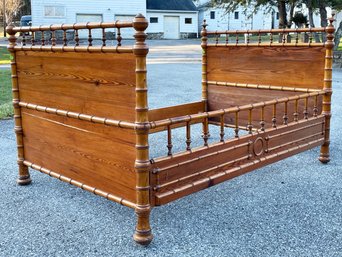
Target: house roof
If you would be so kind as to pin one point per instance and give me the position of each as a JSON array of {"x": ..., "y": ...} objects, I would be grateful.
[{"x": 179, "y": 5}]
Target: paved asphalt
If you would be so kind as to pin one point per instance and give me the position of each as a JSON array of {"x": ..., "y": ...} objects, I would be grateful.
[{"x": 291, "y": 208}]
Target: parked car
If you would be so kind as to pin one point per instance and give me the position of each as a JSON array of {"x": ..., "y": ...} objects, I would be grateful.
[{"x": 26, "y": 20}]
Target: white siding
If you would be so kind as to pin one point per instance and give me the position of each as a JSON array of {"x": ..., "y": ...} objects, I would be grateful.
[
  {"x": 159, "y": 27},
  {"x": 107, "y": 8}
]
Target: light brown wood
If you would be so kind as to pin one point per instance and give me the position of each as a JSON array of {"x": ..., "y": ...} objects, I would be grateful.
[
  {"x": 79, "y": 83},
  {"x": 92, "y": 154},
  {"x": 277, "y": 66}
]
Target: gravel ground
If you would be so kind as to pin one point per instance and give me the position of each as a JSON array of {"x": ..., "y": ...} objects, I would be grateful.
[{"x": 291, "y": 208}]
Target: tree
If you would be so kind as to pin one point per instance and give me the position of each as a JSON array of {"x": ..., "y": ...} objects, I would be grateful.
[{"x": 8, "y": 10}]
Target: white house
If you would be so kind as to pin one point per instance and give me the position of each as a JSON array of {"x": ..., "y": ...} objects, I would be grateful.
[{"x": 168, "y": 19}]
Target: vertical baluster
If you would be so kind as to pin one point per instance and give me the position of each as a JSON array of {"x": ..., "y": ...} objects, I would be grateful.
[
  {"x": 283, "y": 38},
  {"x": 169, "y": 141},
  {"x": 247, "y": 38},
  {"x": 216, "y": 38},
  {"x": 262, "y": 119},
  {"x": 297, "y": 36},
  {"x": 274, "y": 118},
  {"x": 236, "y": 130},
  {"x": 77, "y": 39},
  {"x": 310, "y": 37},
  {"x": 295, "y": 114},
  {"x": 119, "y": 38},
  {"x": 315, "y": 109},
  {"x": 90, "y": 37},
  {"x": 33, "y": 38},
  {"x": 271, "y": 38},
  {"x": 227, "y": 39},
  {"x": 65, "y": 42},
  {"x": 188, "y": 136},
  {"x": 259, "y": 37},
  {"x": 222, "y": 128},
  {"x": 53, "y": 37},
  {"x": 24, "y": 39},
  {"x": 250, "y": 125},
  {"x": 285, "y": 117},
  {"x": 103, "y": 37},
  {"x": 236, "y": 38},
  {"x": 43, "y": 38},
  {"x": 205, "y": 131},
  {"x": 305, "y": 112}
]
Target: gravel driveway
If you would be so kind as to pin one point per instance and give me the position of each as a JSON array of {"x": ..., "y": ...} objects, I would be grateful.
[{"x": 291, "y": 208}]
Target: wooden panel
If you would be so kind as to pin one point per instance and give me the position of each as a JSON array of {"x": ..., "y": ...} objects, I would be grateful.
[
  {"x": 94, "y": 154},
  {"x": 185, "y": 174},
  {"x": 278, "y": 66},
  {"x": 93, "y": 83},
  {"x": 175, "y": 111},
  {"x": 220, "y": 97}
]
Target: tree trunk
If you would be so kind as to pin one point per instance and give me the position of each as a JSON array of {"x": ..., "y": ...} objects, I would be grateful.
[
  {"x": 311, "y": 21},
  {"x": 282, "y": 14},
  {"x": 289, "y": 24},
  {"x": 323, "y": 14},
  {"x": 338, "y": 36}
]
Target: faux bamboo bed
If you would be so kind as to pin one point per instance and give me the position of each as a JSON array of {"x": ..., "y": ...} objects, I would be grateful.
[{"x": 82, "y": 116}]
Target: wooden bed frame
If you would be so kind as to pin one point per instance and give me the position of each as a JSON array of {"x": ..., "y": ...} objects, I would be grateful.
[{"x": 81, "y": 111}]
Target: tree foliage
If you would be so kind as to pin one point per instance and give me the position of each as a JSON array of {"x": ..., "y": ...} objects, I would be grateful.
[{"x": 12, "y": 7}]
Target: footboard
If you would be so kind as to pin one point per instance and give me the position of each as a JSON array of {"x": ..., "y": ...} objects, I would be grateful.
[{"x": 181, "y": 174}]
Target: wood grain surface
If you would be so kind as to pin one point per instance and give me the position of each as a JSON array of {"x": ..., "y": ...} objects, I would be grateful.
[
  {"x": 278, "y": 66},
  {"x": 93, "y": 83},
  {"x": 94, "y": 154}
]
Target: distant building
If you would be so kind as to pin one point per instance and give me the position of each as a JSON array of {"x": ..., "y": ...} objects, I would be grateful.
[{"x": 168, "y": 19}]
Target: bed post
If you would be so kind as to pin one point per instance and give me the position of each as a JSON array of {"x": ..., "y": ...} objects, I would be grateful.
[
  {"x": 24, "y": 175},
  {"x": 142, "y": 233},
  {"x": 329, "y": 44},
  {"x": 204, "y": 43}
]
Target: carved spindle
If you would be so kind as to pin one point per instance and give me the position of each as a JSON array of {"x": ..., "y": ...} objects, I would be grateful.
[
  {"x": 205, "y": 135},
  {"x": 216, "y": 38},
  {"x": 247, "y": 38},
  {"x": 329, "y": 44},
  {"x": 24, "y": 175},
  {"x": 33, "y": 42},
  {"x": 283, "y": 37},
  {"x": 227, "y": 38},
  {"x": 188, "y": 136},
  {"x": 118, "y": 37},
  {"x": 271, "y": 38},
  {"x": 24, "y": 39},
  {"x": 77, "y": 39},
  {"x": 236, "y": 38},
  {"x": 297, "y": 37},
  {"x": 143, "y": 234},
  {"x": 285, "y": 117},
  {"x": 53, "y": 37},
  {"x": 250, "y": 119},
  {"x": 65, "y": 41},
  {"x": 295, "y": 114},
  {"x": 310, "y": 37},
  {"x": 90, "y": 38},
  {"x": 274, "y": 116},
  {"x": 262, "y": 119},
  {"x": 204, "y": 44},
  {"x": 222, "y": 128},
  {"x": 43, "y": 38},
  {"x": 315, "y": 109},
  {"x": 169, "y": 141},
  {"x": 103, "y": 37},
  {"x": 305, "y": 112},
  {"x": 259, "y": 38},
  {"x": 236, "y": 130}
]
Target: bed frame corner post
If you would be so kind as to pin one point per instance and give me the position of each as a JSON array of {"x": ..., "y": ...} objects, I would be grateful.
[
  {"x": 24, "y": 175},
  {"x": 329, "y": 44},
  {"x": 143, "y": 234}
]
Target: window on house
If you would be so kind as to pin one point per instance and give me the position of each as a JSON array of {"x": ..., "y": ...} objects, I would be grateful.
[
  {"x": 212, "y": 15},
  {"x": 236, "y": 15},
  {"x": 188, "y": 20},
  {"x": 277, "y": 16},
  {"x": 54, "y": 11},
  {"x": 154, "y": 20}
]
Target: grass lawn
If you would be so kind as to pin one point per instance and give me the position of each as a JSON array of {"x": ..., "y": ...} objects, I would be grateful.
[
  {"x": 6, "y": 108},
  {"x": 5, "y": 57}
]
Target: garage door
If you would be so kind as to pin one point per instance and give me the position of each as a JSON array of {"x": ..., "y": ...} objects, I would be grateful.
[
  {"x": 171, "y": 27},
  {"x": 127, "y": 33},
  {"x": 96, "y": 33}
]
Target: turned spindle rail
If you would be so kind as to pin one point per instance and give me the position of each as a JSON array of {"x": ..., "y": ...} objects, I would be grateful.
[{"x": 81, "y": 110}]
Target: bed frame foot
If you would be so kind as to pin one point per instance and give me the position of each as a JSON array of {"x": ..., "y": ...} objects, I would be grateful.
[
  {"x": 143, "y": 234},
  {"x": 143, "y": 237},
  {"x": 324, "y": 158},
  {"x": 24, "y": 180}
]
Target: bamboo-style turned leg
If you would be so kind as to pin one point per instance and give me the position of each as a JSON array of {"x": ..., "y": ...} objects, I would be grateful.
[
  {"x": 24, "y": 175},
  {"x": 142, "y": 233},
  {"x": 325, "y": 155}
]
